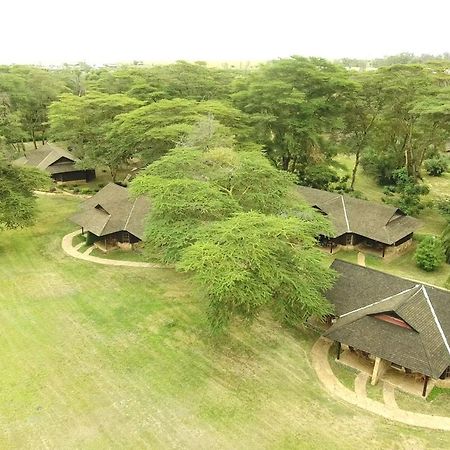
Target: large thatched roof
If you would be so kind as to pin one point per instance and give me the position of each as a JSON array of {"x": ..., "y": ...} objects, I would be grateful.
[
  {"x": 381, "y": 223},
  {"x": 46, "y": 156},
  {"x": 111, "y": 210},
  {"x": 402, "y": 321}
]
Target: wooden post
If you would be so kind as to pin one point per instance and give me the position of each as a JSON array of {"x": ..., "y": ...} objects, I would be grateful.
[
  {"x": 425, "y": 385},
  {"x": 384, "y": 248},
  {"x": 338, "y": 354}
]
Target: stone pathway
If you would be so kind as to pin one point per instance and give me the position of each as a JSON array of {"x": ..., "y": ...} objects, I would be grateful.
[
  {"x": 361, "y": 259},
  {"x": 389, "y": 395},
  {"x": 70, "y": 250},
  {"x": 360, "y": 384},
  {"x": 319, "y": 359}
]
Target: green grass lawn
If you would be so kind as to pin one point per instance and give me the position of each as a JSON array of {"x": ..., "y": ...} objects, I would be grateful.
[
  {"x": 375, "y": 392},
  {"x": 121, "y": 255},
  {"x": 99, "y": 357},
  {"x": 437, "y": 402}
]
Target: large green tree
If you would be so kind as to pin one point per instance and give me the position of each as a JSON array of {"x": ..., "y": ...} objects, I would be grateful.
[
  {"x": 234, "y": 210},
  {"x": 413, "y": 122},
  {"x": 85, "y": 124},
  {"x": 17, "y": 201},
  {"x": 253, "y": 262},
  {"x": 295, "y": 105},
  {"x": 30, "y": 91},
  {"x": 152, "y": 130}
]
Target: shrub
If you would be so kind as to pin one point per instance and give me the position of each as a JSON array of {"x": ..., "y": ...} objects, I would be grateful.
[
  {"x": 319, "y": 176},
  {"x": 436, "y": 166},
  {"x": 76, "y": 189},
  {"x": 443, "y": 205},
  {"x": 429, "y": 254}
]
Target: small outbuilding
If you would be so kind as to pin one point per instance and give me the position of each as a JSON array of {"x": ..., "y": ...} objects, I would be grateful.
[
  {"x": 113, "y": 218},
  {"x": 357, "y": 222},
  {"x": 60, "y": 163},
  {"x": 392, "y": 321}
]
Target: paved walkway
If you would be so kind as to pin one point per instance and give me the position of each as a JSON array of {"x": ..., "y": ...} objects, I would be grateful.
[
  {"x": 361, "y": 259},
  {"x": 70, "y": 250},
  {"x": 390, "y": 411}
]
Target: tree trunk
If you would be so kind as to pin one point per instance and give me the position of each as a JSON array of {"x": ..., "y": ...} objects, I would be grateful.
[
  {"x": 285, "y": 162},
  {"x": 33, "y": 136},
  {"x": 113, "y": 172},
  {"x": 355, "y": 168}
]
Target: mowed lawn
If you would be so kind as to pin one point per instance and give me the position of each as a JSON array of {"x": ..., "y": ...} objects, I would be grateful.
[{"x": 98, "y": 357}]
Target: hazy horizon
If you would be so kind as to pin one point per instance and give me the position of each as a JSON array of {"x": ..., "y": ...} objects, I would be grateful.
[{"x": 101, "y": 32}]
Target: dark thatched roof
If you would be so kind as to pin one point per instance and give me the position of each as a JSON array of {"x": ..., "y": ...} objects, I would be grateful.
[
  {"x": 49, "y": 157},
  {"x": 111, "y": 210},
  {"x": 379, "y": 222},
  {"x": 361, "y": 295}
]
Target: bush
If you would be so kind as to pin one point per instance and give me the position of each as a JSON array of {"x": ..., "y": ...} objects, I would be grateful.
[
  {"x": 443, "y": 205},
  {"x": 319, "y": 177},
  {"x": 76, "y": 189},
  {"x": 429, "y": 254},
  {"x": 436, "y": 166}
]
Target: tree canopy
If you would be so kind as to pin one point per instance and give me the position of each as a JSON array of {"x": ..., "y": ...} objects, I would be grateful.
[
  {"x": 199, "y": 195},
  {"x": 17, "y": 202}
]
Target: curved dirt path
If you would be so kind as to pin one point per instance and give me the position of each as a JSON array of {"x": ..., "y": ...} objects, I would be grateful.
[
  {"x": 69, "y": 249},
  {"x": 319, "y": 357}
]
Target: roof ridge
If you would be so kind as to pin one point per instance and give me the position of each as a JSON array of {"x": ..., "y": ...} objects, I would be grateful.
[
  {"x": 381, "y": 301},
  {"x": 129, "y": 215},
  {"x": 345, "y": 213},
  {"x": 418, "y": 282},
  {"x": 435, "y": 317}
]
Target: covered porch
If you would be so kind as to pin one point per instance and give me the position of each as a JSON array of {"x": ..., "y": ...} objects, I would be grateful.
[{"x": 381, "y": 370}]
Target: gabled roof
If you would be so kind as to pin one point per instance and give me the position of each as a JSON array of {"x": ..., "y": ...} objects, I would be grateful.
[
  {"x": 379, "y": 222},
  {"x": 46, "y": 156},
  {"x": 112, "y": 209},
  {"x": 361, "y": 295}
]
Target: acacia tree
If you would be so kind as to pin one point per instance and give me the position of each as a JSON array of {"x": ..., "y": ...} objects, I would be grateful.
[
  {"x": 30, "y": 91},
  {"x": 17, "y": 202},
  {"x": 363, "y": 106},
  {"x": 150, "y": 131},
  {"x": 413, "y": 121},
  {"x": 253, "y": 262},
  {"x": 294, "y": 104},
  {"x": 85, "y": 124},
  {"x": 234, "y": 210}
]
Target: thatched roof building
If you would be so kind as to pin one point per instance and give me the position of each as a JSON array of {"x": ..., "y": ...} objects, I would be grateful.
[
  {"x": 60, "y": 163},
  {"x": 397, "y": 320},
  {"x": 357, "y": 221},
  {"x": 112, "y": 215}
]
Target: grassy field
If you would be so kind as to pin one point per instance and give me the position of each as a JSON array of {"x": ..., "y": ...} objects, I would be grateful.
[{"x": 98, "y": 357}]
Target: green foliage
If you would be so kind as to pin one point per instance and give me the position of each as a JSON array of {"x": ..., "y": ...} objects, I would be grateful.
[
  {"x": 405, "y": 194},
  {"x": 85, "y": 124},
  {"x": 320, "y": 176},
  {"x": 443, "y": 205},
  {"x": 247, "y": 177},
  {"x": 180, "y": 80},
  {"x": 436, "y": 166},
  {"x": 17, "y": 202},
  {"x": 429, "y": 254},
  {"x": 445, "y": 238},
  {"x": 29, "y": 90},
  {"x": 150, "y": 131},
  {"x": 253, "y": 262},
  {"x": 294, "y": 103}
]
